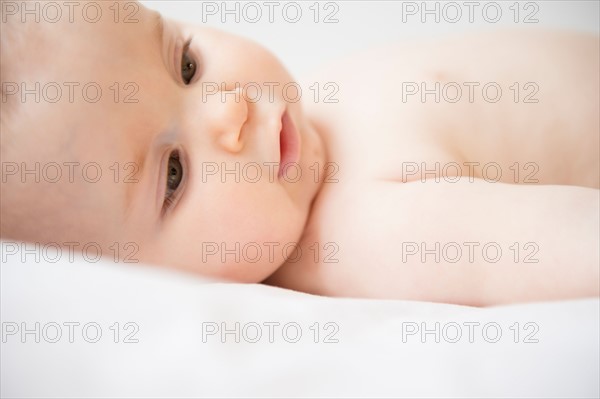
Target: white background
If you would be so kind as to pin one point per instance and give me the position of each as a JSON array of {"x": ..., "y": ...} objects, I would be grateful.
[{"x": 362, "y": 24}]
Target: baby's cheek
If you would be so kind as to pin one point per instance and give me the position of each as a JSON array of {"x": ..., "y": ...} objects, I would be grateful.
[
  {"x": 241, "y": 232},
  {"x": 253, "y": 250}
]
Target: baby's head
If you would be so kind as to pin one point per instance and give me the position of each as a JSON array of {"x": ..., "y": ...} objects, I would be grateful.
[{"x": 116, "y": 133}]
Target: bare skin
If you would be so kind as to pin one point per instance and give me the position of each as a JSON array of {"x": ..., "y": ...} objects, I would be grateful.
[
  {"x": 369, "y": 220},
  {"x": 374, "y": 207}
]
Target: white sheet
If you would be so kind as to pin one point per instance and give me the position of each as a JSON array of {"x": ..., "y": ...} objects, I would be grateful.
[
  {"x": 305, "y": 45},
  {"x": 370, "y": 358}
]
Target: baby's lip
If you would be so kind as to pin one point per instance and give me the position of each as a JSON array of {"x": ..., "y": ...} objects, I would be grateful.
[{"x": 289, "y": 143}]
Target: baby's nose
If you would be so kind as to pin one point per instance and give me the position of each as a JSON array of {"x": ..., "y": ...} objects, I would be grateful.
[{"x": 227, "y": 112}]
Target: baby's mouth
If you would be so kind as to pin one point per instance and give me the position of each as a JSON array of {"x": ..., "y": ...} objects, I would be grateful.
[{"x": 289, "y": 144}]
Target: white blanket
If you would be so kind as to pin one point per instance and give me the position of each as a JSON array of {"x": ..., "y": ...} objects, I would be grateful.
[{"x": 370, "y": 348}]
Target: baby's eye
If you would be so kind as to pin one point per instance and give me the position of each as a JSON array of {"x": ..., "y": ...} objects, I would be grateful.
[
  {"x": 188, "y": 65},
  {"x": 174, "y": 176}
]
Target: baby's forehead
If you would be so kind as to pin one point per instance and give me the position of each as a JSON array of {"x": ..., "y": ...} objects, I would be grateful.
[
  {"x": 47, "y": 47},
  {"x": 69, "y": 78},
  {"x": 64, "y": 129},
  {"x": 51, "y": 175}
]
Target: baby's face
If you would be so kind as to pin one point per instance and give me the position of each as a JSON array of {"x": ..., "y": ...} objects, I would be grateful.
[{"x": 192, "y": 173}]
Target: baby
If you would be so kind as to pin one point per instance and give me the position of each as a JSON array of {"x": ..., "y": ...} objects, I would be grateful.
[{"x": 146, "y": 139}]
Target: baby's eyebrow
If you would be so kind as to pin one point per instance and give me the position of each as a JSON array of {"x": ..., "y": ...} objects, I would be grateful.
[
  {"x": 160, "y": 26},
  {"x": 141, "y": 152}
]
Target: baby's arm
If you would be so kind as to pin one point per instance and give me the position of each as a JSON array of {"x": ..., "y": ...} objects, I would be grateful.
[
  {"x": 548, "y": 110},
  {"x": 548, "y": 237}
]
